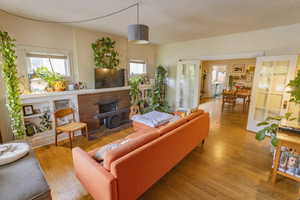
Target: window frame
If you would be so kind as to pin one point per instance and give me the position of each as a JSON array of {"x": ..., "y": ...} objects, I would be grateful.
[
  {"x": 39, "y": 54},
  {"x": 137, "y": 62}
]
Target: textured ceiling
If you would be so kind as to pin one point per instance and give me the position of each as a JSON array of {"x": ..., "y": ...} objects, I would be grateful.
[{"x": 169, "y": 20}]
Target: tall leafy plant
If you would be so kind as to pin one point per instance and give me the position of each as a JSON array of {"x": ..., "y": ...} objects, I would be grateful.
[
  {"x": 295, "y": 89},
  {"x": 105, "y": 55},
  {"x": 135, "y": 92},
  {"x": 9, "y": 71},
  {"x": 158, "y": 97}
]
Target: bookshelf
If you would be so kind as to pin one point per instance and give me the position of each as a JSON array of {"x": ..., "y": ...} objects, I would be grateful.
[{"x": 286, "y": 140}]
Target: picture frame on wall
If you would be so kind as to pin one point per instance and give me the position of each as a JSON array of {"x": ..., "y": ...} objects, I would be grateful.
[
  {"x": 238, "y": 69},
  {"x": 28, "y": 110}
]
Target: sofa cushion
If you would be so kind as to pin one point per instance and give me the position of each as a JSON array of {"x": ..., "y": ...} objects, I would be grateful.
[
  {"x": 195, "y": 114},
  {"x": 101, "y": 152},
  {"x": 172, "y": 125},
  {"x": 124, "y": 149}
]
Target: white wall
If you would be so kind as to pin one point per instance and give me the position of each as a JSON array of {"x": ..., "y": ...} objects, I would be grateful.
[
  {"x": 58, "y": 37},
  {"x": 274, "y": 41}
]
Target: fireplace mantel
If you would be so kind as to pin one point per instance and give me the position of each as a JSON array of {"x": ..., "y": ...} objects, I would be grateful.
[{"x": 73, "y": 92}]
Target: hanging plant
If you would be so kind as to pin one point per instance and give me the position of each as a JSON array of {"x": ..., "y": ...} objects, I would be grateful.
[
  {"x": 105, "y": 55},
  {"x": 9, "y": 71}
]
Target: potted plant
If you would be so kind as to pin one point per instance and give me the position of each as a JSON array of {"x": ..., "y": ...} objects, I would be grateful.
[
  {"x": 158, "y": 97},
  {"x": 55, "y": 80},
  {"x": 135, "y": 95}
]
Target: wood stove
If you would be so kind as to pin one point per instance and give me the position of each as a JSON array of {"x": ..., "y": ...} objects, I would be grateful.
[{"x": 110, "y": 116}]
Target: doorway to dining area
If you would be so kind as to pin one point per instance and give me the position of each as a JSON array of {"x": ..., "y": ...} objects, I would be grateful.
[{"x": 229, "y": 81}]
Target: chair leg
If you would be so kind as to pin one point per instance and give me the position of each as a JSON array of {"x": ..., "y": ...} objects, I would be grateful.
[
  {"x": 55, "y": 139},
  {"x": 203, "y": 141},
  {"x": 70, "y": 138},
  {"x": 87, "y": 133}
]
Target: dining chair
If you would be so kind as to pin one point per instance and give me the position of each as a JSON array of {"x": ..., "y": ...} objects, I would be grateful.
[
  {"x": 228, "y": 97},
  {"x": 70, "y": 127}
]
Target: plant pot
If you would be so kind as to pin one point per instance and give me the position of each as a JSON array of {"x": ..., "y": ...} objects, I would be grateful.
[{"x": 59, "y": 86}]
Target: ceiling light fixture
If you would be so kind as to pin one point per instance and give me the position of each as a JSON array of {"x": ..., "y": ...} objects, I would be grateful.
[{"x": 138, "y": 33}]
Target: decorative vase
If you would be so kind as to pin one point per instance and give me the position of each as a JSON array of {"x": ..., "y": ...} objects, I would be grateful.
[{"x": 59, "y": 86}]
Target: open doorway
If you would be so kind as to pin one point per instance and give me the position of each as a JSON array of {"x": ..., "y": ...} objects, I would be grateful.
[{"x": 232, "y": 75}]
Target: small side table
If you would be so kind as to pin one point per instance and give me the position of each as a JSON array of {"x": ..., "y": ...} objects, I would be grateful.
[{"x": 289, "y": 140}]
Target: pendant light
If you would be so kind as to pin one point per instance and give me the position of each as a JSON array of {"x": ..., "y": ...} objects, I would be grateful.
[{"x": 138, "y": 33}]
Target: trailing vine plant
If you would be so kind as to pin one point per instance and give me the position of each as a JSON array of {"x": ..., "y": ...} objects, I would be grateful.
[
  {"x": 105, "y": 55},
  {"x": 9, "y": 71}
]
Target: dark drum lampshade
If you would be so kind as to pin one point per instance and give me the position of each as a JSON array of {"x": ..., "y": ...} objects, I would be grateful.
[{"x": 138, "y": 33}]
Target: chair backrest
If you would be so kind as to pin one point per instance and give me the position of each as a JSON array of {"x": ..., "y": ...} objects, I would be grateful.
[
  {"x": 229, "y": 96},
  {"x": 63, "y": 113}
]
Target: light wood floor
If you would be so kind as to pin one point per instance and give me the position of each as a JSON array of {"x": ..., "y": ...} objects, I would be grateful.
[{"x": 231, "y": 165}]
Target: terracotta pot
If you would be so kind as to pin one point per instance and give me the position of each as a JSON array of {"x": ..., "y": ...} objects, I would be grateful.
[{"x": 59, "y": 86}]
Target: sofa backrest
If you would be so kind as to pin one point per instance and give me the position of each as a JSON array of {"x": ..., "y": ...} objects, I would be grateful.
[
  {"x": 126, "y": 148},
  {"x": 139, "y": 169},
  {"x": 171, "y": 126},
  {"x": 194, "y": 115}
]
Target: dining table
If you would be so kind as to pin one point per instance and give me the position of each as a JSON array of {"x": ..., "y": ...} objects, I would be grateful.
[{"x": 245, "y": 95}]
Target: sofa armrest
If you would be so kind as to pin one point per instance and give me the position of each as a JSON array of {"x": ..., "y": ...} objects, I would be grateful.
[{"x": 100, "y": 183}]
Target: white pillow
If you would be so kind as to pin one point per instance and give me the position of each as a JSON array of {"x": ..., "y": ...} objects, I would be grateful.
[
  {"x": 12, "y": 151},
  {"x": 100, "y": 154}
]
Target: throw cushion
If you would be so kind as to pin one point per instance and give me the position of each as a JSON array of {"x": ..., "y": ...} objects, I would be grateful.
[
  {"x": 101, "y": 153},
  {"x": 12, "y": 152}
]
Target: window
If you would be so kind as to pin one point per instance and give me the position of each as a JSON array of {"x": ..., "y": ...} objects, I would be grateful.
[
  {"x": 137, "y": 68},
  {"x": 58, "y": 63},
  {"x": 219, "y": 73}
]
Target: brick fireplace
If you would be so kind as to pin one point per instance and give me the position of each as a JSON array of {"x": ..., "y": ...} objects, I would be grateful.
[{"x": 104, "y": 109}]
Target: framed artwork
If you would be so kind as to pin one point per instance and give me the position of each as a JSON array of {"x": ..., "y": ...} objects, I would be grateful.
[
  {"x": 238, "y": 69},
  {"x": 251, "y": 68},
  {"x": 28, "y": 110}
]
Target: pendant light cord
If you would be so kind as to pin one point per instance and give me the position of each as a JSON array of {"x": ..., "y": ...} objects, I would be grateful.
[{"x": 77, "y": 21}]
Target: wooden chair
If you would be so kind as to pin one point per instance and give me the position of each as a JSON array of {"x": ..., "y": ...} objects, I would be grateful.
[
  {"x": 69, "y": 128},
  {"x": 228, "y": 97}
]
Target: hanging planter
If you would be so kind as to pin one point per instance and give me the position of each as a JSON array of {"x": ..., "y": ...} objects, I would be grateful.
[
  {"x": 105, "y": 55},
  {"x": 9, "y": 71}
]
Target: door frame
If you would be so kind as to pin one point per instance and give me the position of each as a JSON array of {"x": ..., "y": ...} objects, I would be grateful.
[{"x": 293, "y": 59}]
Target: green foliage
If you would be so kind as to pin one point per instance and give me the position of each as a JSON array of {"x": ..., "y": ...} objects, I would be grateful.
[
  {"x": 105, "y": 56},
  {"x": 135, "y": 92},
  {"x": 45, "y": 123},
  {"x": 270, "y": 127},
  {"x": 9, "y": 71},
  {"x": 158, "y": 97},
  {"x": 295, "y": 89},
  {"x": 48, "y": 76}
]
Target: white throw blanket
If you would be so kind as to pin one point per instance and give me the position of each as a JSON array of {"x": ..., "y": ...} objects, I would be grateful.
[{"x": 153, "y": 119}]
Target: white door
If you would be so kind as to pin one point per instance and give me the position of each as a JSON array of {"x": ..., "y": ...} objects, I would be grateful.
[
  {"x": 188, "y": 85},
  {"x": 269, "y": 96}
]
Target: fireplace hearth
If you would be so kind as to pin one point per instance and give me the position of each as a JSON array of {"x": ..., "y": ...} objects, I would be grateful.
[{"x": 110, "y": 116}]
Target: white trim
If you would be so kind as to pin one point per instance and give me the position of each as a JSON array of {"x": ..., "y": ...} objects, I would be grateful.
[{"x": 229, "y": 56}]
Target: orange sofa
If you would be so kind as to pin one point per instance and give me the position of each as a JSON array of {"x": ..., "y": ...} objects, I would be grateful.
[{"x": 129, "y": 170}]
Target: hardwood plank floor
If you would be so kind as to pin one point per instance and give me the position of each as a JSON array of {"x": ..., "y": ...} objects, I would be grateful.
[{"x": 231, "y": 165}]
